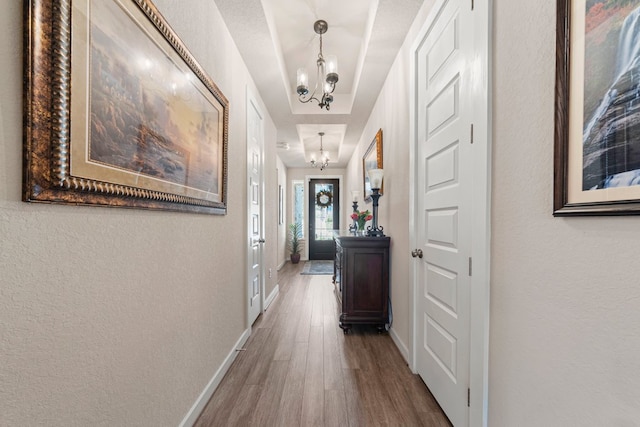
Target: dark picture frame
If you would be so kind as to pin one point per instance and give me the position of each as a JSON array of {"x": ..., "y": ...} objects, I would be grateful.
[
  {"x": 117, "y": 112},
  {"x": 594, "y": 170},
  {"x": 372, "y": 159}
]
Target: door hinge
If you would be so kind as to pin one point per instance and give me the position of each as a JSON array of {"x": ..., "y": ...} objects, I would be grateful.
[
  {"x": 472, "y": 5},
  {"x": 471, "y": 133},
  {"x": 470, "y": 266},
  {"x": 468, "y": 398}
]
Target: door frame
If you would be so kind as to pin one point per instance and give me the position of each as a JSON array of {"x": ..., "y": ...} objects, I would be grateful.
[
  {"x": 336, "y": 213},
  {"x": 252, "y": 100},
  {"x": 481, "y": 200},
  {"x": 307, "y": 179}
]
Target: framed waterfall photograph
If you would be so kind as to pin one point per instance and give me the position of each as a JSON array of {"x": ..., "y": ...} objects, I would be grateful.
[
  {"x": 597, "y": 108},
  {"x": 117, "y": 112}
]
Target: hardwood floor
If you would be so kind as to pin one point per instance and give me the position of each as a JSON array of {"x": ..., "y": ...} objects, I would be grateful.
[{"x": 299, "y": 369}]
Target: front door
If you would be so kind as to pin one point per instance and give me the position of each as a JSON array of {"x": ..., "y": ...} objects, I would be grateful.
[
  {"x": 255, "y": 135},
  {"x": 324, "y": 216},
  {"x": 443, "y": 201}
]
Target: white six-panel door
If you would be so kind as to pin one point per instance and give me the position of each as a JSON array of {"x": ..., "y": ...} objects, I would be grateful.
[
  {"x": 443, "y": 201},
  {"x": 255, "y": 136}
]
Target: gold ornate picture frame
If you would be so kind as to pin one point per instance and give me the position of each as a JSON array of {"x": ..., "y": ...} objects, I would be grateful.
[
  {"x": 372, "y": 159},
  {"x": 117, "y": 112}
]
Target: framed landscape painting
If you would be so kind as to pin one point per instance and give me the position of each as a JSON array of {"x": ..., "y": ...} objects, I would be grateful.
[
  {"x": 372, "y": 159},
  {"x": 597, "y": 123},
  {"x": 118, "y": 112}
]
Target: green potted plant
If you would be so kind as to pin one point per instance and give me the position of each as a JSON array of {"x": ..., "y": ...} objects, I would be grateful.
[{"x": 295, "y": 234}]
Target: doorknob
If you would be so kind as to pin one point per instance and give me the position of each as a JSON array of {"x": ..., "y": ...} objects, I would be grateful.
[
  {"x": 261, "y": 240},
  {"x": 416, "y": 253}
]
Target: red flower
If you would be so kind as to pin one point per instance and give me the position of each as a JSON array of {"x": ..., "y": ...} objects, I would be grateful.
[{"x": 361, "y": 216}]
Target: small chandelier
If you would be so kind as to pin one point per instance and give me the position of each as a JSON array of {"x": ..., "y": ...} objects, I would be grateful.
[
  {"x": 324, "y": 158},
  {"x": 327, "y": 74}
]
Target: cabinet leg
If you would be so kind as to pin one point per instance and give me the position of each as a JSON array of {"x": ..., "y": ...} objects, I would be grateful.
[{"x": 345, "y": 328}]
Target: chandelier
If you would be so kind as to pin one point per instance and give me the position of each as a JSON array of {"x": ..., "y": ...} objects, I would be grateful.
[
  {"x": 327, "y": 76},
  {"x": 324, "y": 158}
]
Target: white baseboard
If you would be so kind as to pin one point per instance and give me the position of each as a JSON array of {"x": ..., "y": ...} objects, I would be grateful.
[
  {"x": 404, "y": 350},
  {"x": 281, "y": 265},
  {"x": 206, "y": 394},
  {"x": 271, "y": 296}
]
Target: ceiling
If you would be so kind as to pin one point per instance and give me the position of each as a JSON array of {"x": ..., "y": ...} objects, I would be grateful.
[{"x": 276, "y": 37}]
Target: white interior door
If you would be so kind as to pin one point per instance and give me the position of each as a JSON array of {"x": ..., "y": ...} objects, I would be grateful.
[
  {"x": 255, "y": 138},
  {"x": 444, "y": 206}
]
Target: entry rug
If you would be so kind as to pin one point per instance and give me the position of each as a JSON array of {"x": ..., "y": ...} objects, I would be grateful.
[{"x": 318, "y": 267}]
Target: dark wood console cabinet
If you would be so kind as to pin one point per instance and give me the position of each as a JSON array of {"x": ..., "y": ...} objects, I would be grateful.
[{"x": 361, "y": 278}]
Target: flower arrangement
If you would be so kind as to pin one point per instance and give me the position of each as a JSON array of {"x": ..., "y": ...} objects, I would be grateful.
[{"x": 361, "y": 218}]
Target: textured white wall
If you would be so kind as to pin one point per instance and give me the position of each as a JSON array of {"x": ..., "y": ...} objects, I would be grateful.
[
  {"x": 120, "y": 317},
  {"x": 565, "y": 292},
  {"x": 116, "y": 316},
  {"x": 391, "y": 114}
]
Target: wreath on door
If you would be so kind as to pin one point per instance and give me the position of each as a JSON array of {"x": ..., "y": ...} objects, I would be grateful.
[{"x": 324, "y": 198}]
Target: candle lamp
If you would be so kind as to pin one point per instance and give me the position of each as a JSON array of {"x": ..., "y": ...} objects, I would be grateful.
[
  {"x": 375, "y": 178},
  {"x": 354, "y": 195}
]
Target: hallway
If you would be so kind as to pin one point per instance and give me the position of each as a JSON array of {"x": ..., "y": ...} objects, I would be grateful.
[{"x": 299, "y": 369}]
